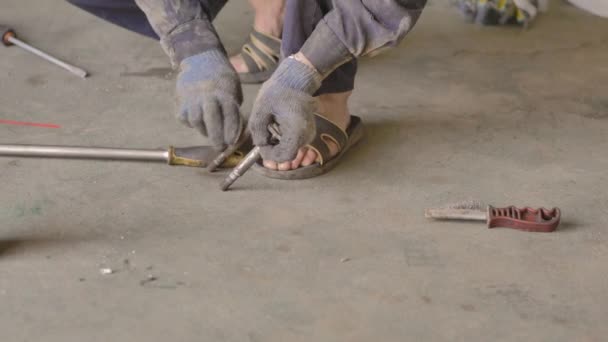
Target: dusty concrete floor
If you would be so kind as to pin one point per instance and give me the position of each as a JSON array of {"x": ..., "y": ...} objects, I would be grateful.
[{"x": 456, "y": 112}]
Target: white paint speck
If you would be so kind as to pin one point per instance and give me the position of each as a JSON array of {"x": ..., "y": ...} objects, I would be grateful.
[{"x": 106, "y": 271}]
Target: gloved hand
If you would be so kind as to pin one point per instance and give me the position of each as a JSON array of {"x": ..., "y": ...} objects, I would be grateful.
[
  {"x": 501, "y": 12},
  {"x": 209, "y": 95},
  {"x": 286, "y": 98}
]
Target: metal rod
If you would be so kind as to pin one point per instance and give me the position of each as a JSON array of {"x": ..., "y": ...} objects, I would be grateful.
[
  {"x": 456, "y": 214},
  {"x": 222, "y": 157},
  {"x": 251, "y": 158},
  {"x": 76, "y": 152},
  {"x": 73, "y": 69}
]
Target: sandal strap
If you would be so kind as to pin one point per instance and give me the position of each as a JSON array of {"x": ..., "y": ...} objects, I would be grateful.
[
  {"x": 327, "y": 130},
  {"x": 273, "y": 43},
  {"x": 261, "y": 52}
]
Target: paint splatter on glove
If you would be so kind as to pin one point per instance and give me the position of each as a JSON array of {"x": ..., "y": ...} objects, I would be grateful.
[
  {"x": 502, "y": 12},
  {"x": 286, "y": 98},
  {"x": 209, "y": 95}
]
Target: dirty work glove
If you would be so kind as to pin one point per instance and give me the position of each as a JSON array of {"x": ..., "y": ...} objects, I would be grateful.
[
  {"x": 502, "y": 12},
  {"x": 286, "y": 98},
  {"x": 209, "y": 96}
]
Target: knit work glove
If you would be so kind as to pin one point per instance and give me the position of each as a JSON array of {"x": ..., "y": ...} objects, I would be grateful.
[
  {"x": 209, "y": 95},
  {"x": 286, "y": 98}
]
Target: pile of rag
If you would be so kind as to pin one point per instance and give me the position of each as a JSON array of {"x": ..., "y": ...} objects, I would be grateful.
[{"x": 502, "y": 12}]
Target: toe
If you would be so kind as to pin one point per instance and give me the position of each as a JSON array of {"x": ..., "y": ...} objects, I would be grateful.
[
  {"x": 286, "y": 166},
  {"x": 238, "y": 63},
  {"x": 296, "y": 162},
  {"x": 305, "y": 157},
  {"x": 309, "y": 158},
  {"x": 269, "y": 164}
]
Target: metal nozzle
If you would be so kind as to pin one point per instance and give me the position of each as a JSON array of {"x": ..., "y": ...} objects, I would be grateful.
[{"x": 250, "y": 159}]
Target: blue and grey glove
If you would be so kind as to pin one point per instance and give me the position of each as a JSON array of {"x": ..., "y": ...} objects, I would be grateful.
[
  {"x": 286, "y": 99},
  {"x": 209, "y": 95}
]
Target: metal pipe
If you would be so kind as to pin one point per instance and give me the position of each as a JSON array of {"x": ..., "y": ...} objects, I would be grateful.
[
  {"x": 75, "y": 70},
  {"x": 77, "y": 152},
  {"x": 222, "y": 157},
  {"x": 251, "y": 158},
  {"x": 456, "y": 214}
]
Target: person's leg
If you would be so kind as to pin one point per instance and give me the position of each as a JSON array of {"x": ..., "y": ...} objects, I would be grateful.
[
  {"x": 126, "y": 13},
  {"x": 301, "y": 17},
  {"x": 123, "y": 13},
  {"x": 268, "y": 16},
  {"x": 268, "y": 19}
]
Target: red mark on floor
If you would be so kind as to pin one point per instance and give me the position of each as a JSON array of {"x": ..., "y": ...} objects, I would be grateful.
[{"x": 32, "y": 124}]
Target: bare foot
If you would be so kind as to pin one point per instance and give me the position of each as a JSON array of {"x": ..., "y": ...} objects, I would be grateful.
[
  {"x": 238, "y": 63},
  {"x": 334, "y": 107}
]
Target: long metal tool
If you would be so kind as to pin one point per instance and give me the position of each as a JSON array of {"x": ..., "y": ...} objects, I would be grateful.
[
  {"x": 9, "y": 37},
  {"x": 196, "y": 156}
]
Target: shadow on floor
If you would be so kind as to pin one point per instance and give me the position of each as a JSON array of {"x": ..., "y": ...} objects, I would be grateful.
[{"x": 31, "y": 244}]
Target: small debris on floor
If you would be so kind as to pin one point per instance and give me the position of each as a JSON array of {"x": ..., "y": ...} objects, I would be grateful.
[
  {"x": 343, "y": 260},
  {"x": 106, "y": 271},
  {"x": 81, "y": 279},
  {"x": 148, "y": 280}
]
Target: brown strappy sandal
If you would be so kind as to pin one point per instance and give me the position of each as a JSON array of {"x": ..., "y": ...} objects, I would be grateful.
[
  {"x": 326, "y": 130},
  {"x": 261, "y": 54}
]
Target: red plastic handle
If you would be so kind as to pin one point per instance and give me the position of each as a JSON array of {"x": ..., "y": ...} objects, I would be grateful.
[{"x": 526, "y": 219}]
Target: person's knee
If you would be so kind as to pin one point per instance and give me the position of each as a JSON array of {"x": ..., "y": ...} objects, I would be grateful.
[{"x": 104, "y": 4}]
